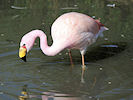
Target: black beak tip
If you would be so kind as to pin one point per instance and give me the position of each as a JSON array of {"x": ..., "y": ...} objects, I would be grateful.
[{"x": 24, "y": 59}]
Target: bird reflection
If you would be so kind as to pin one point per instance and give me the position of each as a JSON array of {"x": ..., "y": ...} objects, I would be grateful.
[
  {"x": 52, "y": 95},
  {"x": 24, "y": 93},
  {"x": 58, "y": 96}
]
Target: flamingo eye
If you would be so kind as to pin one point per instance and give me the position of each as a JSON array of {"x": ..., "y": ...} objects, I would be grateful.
[{"x": 24, "y": 46}]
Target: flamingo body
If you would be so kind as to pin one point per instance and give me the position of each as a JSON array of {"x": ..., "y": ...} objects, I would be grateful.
[
  {"x": 71, "y": 30},
  {"x": 74, "y": 30}
]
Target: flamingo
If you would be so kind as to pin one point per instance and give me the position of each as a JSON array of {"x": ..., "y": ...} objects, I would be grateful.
[{"x": 71, "y": 30}]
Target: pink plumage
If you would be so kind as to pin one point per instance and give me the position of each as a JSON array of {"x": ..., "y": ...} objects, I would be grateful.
[{"x": 69, "y": 31}]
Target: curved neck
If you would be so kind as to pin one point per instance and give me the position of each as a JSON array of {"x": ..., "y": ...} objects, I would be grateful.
[{"x": 48, "y": 50}]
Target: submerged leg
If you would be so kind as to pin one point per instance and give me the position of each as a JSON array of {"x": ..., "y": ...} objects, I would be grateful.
[
  {"x": 83, "y": 69},
  {"x": 70, "y": 55}
]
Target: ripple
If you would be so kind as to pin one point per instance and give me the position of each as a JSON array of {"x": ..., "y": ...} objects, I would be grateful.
[
  {"x": 19, "y": 8},
  {"x": 8, "y": 53}
]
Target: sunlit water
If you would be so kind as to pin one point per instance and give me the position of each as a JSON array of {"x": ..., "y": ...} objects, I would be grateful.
[{"x": 109, "y": 62}]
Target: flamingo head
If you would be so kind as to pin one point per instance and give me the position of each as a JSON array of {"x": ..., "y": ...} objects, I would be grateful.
[
  {"x": 26, "y": 44},
  {"x": 23, "y": 52}
]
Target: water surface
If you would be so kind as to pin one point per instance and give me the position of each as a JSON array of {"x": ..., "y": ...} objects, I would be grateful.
[{"x": 109, "y": 61}]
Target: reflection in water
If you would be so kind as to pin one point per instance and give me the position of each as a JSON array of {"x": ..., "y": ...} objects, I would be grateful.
[
  {"x": 24, "y": 93},
  {"x": 58, "y": 96},
  {"x": 53, "y": 95},
  {"x": 14, "y": 7},
  {"x": 105, "y": 51},
  {"x": 82, "y": 75}
]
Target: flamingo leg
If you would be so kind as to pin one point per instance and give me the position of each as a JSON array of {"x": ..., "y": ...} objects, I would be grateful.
[
  {"x": 70, "y": 55},
  {"x": 83, "y": 62}
]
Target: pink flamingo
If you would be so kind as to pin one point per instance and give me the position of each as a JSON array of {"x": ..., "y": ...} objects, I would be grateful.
[{"x": 70, "y": 31}]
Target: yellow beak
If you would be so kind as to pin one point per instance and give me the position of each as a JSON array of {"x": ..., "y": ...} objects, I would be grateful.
[{"x": 22, "y": 53}]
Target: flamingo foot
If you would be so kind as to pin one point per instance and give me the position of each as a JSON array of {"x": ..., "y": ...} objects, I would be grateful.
[{"x": 83, "y": 67}]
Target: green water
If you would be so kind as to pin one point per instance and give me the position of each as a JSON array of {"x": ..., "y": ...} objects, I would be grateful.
[{"x": 109, "y": 61}]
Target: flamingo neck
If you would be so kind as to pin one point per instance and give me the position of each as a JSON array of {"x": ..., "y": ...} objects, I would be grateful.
[{"x": 47, "y": 50}]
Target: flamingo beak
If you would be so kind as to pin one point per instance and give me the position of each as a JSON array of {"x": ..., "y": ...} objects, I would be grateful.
[{"x": 22, "y": 53}]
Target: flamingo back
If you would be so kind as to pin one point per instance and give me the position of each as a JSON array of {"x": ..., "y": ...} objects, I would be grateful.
[{"x": 72, "y": 29}]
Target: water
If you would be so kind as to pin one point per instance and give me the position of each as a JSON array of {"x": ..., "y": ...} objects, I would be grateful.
[{"x": 109, "y": 61}]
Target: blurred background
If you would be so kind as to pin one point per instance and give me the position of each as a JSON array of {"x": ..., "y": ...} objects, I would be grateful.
[{"x": 109, "y": 61}]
